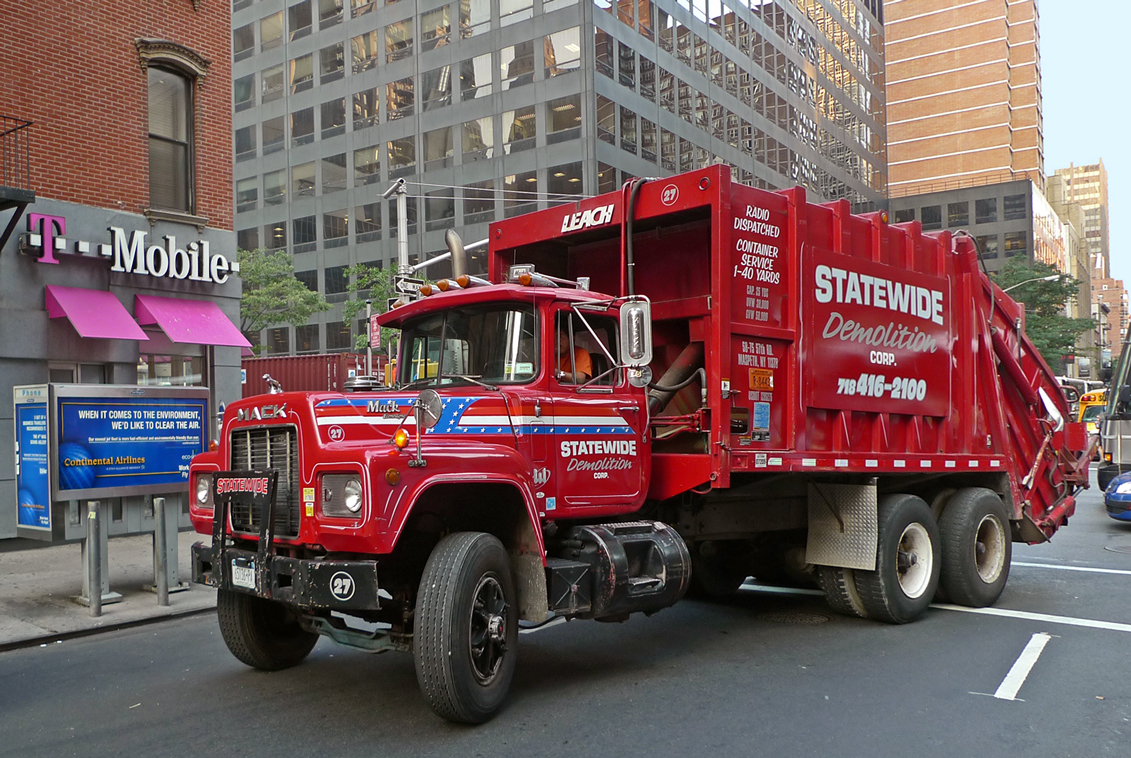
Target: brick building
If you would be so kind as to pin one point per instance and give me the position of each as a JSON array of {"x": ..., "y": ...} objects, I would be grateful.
[{"x": 115, "y": 209}]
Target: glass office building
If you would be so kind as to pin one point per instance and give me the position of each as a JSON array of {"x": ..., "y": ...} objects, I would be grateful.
[{"x": 491, "y": 108}]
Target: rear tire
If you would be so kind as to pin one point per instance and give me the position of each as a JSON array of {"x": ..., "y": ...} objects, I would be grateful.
[
  {"x": 261, "y": 633},
  {"x": 466, "y": 634},
  {"x": 839, "y": 586},
  {"x": 976, "y": 547},
  {"x": 907, "y": 561}
]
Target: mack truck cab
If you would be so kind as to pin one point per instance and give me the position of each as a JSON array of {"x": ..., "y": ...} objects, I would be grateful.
[{"x": 435, "y": 515}]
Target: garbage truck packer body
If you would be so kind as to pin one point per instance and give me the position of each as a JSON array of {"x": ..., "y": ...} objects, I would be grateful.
[{"x": 685, "y": 382}]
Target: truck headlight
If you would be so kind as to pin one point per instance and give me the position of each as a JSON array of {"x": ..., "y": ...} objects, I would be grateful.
[
  {"x": 204, "y": 490},
  {"x": 342, "y": 496}
]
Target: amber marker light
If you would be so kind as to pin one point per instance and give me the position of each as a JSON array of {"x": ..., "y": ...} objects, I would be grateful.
[
  {"x": 400, "y": 438},
  {"x": 393, "y": 477},
  {"x": 525, "y": 279},
  {"x": 426, "y": 290}
]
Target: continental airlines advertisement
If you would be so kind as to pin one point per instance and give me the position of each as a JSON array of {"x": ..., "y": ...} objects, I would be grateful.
[{"x": 881, "y": 336}]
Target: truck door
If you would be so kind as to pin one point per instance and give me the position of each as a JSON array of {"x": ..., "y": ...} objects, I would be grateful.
[{"x": 598, "y": 421}]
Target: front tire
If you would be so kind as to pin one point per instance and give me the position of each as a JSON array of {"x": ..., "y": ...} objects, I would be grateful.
[
  {"x": 907, "y": 562},
  {"x": 263, "y": 634},
  {"x": 466, "y": 634},
  {"x": 977, "y": 547}
]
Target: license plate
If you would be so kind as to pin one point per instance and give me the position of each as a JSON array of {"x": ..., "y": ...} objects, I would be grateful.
[{"x": 243, "y": 576}]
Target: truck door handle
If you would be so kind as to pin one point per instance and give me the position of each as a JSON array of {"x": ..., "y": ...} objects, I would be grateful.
[{"x": 632, "y": 408}]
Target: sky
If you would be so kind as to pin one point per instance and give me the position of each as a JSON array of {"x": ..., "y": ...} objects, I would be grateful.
[{"x": 1084, "y": 84}]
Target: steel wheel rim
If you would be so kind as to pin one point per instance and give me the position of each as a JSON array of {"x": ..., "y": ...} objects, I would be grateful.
[
  {"x": 487, "y": 641},
  {"x": 989, "y": 549},
  {"x": 915, "y": 560}
]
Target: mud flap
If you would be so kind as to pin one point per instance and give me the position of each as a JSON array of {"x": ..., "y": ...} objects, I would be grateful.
[{"x": 842, "y": 526}]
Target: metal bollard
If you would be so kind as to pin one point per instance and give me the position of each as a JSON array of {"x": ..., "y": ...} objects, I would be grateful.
[
  {"x": 94, "y": 558},
  {"x": 161, "y": 548}
]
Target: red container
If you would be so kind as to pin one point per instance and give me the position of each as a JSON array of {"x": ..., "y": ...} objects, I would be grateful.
[{"x": 309, "y": 373}]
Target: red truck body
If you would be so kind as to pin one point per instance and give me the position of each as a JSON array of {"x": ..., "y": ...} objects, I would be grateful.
[{"x": 830, "y": 398}]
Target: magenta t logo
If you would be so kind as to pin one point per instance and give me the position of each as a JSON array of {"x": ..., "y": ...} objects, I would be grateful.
[{"x": 47, "y": 227}]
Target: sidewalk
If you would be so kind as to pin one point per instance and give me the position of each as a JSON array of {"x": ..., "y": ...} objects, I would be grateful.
[{"x": 38, "y": 587}]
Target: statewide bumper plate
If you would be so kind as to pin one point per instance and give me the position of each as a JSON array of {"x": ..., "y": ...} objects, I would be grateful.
[{"x": 334, "y": 585}]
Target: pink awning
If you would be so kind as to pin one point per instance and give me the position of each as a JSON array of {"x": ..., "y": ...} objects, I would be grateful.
[
  {"x": 93, "y": 313},
  {"x": 196, "y": 322}
]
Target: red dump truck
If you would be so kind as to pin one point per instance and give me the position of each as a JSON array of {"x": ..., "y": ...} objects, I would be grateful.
[{"x": 686, "y": 382}]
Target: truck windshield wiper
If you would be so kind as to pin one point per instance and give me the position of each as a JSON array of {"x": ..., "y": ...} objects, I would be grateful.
[
  {"x": 472, "y": 379},
  {"x": 415, "y": 382}
]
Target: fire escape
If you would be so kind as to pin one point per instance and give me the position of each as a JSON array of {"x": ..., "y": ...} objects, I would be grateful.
[{"x": 15, "y": 180}]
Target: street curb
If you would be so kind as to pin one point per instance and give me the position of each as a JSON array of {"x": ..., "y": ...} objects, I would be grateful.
[{"x": 61, "y": 637}]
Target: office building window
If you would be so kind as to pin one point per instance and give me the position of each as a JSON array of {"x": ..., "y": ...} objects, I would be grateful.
[
  {"x": 563, "y": 118},
  {"x": 336, "y": 280},
  {"x": 435, "y": 28},
  {"x": 603, "y": 49},
  {"x": 606, "y": 120},
  {"x": 245, "y": 143},
  {"x": 302, "y": 180},
  {"x": 647, "y": 79},
  {"x": 562, "y": 52},
  {"x": 1013, "y": 210},
  {"x": 308, "y": 278},
  {"x": 627, "y": 130},
  {"x": 436, "y": 87},
  {"x": 402, "y": 156},
  {"x": 519, "y": 128},
  {"x": 243, "y": 92},
  {"x": 606, "y": 178},
  {"x": 333, "y": 173},
  {"x": 279, "y": 340},
  {"x": 272, "y": 82},
  {"x": 271, "y": 31},
  {"x": 399, "y": 98},
  {"x": 474, "y": 17},
  {"x": 904, "y": 215},
  {"x": 398, "y": 41},
  {"x": 516, "y": 64},
  {"x": 365, "y": 109},
  {"x": 479, "y": 202},
  {"x": 520, "y": 193},
  {"x": 626, "y": 66},
  {"x": 276, "y": 235},
  {"x": 275, "y": 187},
  {"x": 302, "y": 127},
  {"x": 931, "y": 216},
  {"x": 366, "y": 166},
  {"x": 564, "y": 180},
  {"x": 985, "y": 210},
  {"x": 475, "y": 77},
  {"x": 338, "y": 336},
  {"x": 478, "y": 139},
  {"x": 1016, "y": 243},
  {"x": 958, "y": 214},
  {"x": 513, "y": 11},
  {"x": 438, "y": 148},
  {"x": 333, "y": 118},
  {"x": 302, "y": 73},
  {"x": 335, "y": 228},
  {"x": 306, "y": 338},
  {"x": 243, "y": 42},
  {"x": 440, "y": 209},
  {"x": 299, "y": 20},
  {"x": 332, "y": 63},
  {"x": 988, "y": 245},
  {"x": 274, "y": 135},
  {"x": 248, "y": 239},
  {"x": 361, "y": 7},
  {"x": 247, "y": 194},
  {"x": 305, "y": 234},
  {"x": 170, "y": 141},
  {"x": 329, "y": 13},
  {"x": 647, "y": 140},
  {"x": 364, "y": 51},
  {"x": 367, "y": 222}
]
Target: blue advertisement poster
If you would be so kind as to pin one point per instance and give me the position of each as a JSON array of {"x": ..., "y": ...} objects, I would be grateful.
[
  {"x": 33, "y": 491},
  {"x": 117, "y": 442}
]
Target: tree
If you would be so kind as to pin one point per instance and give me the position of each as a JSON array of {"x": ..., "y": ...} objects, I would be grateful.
[
  {"x": 272, "y": 294},
  {"x": 1053, "y": 333},
  {"x": 368, "y": 283}
]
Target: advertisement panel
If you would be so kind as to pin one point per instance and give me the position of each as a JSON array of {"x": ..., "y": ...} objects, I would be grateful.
[
  {"x": 758, "y": 254},
  {"x": 114, "y": 441},
  {"x": 33, "y": 489},
  {"x": 877, "y": 338}
]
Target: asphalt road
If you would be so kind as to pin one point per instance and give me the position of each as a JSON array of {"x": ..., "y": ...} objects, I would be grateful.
[{"x": 767, "y": 674}]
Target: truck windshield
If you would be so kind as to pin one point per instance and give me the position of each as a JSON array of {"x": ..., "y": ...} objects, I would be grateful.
[{"x": 493, "y": 344}]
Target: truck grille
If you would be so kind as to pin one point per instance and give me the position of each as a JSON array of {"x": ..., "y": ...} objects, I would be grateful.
[{"x": 273, "y": 447}]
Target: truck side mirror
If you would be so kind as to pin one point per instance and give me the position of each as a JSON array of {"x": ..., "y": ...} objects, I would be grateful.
[{"x": 636, "y": 333}]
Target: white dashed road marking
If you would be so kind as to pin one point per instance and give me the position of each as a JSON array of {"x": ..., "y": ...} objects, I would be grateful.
[{"x": 1010, "y": 686}]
